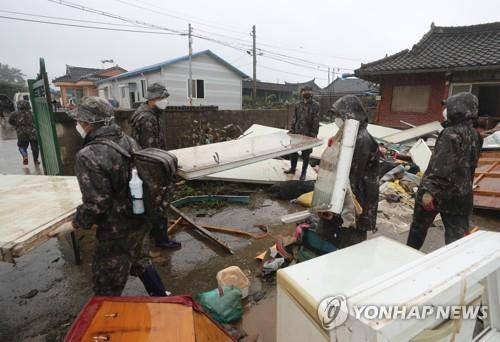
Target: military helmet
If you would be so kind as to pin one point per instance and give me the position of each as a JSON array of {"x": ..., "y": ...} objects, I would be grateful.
[
  {"x": 92, "y": 109},
  {"x": 156, "y": 91}
]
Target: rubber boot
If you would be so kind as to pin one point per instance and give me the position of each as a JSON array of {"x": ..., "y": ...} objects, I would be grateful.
[
  {"x": 162, "y": 240},
  {"x": 293, "y": 164},
  {"x": 304, "y": 171},
  {"x": 153, "y": 283}
]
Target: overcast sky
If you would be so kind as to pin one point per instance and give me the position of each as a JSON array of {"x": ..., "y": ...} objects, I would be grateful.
[{"x": 340, "y": 34}]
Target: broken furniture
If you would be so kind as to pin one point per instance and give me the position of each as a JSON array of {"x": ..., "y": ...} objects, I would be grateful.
[
  {"x": 177, "y": 318},
  {"x": 46, "y": 203},
  {"x": 381, "y": 271}
]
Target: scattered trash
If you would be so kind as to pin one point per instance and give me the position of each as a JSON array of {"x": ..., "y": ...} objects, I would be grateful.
[
  {"x": 258, "y": 296},
  {"x": 234, "y": 276},
  {"x": 237, "y": 334},
  {"x": 222, "y": 304},
  {"x": 392, "y": 198},
  {"x": 290, "y": 189},
  {"x": 272, "y": 265}
]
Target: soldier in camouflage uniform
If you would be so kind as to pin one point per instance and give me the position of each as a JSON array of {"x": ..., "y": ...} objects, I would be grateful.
[
  {"x": 23, "y": 121},
  {"x": 446, "y": 187},
  {"x": 363, "y": 176},
  {"x": 305, "y": 121},
  {"x": 103, "y": 173},
  {"x": 147, "y": 130}
]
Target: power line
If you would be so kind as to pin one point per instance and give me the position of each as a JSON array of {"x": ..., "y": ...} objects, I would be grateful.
[
  {"x": 115, "y": 16},
  {"x": 291, "y": 73},
  {"x": 67, "y": 19},
  {"x": 85, "y": 26},
  {"x": 160, "y": 10},
  {"x": 155, "y": 9}
]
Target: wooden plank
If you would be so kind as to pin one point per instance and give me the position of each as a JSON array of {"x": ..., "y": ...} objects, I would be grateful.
[
  {"x": 46, "y": 202},
  {"x": 487, "y": 181},
  {"x": 202, "y": 231}
]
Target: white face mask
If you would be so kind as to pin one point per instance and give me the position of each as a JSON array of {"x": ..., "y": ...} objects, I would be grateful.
[
  {"x": 161, "y": 104},
  {"x": 445, "y": 114},
  {"x": 80, "y": 130},
  {"x": 339, "y": 122}
]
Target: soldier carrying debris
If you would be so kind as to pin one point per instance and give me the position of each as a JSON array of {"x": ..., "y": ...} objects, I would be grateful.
[
  {"x": 363, "y": 177},
  {"x": 23, "y": 121},
  {"x": 103, "y": 173},
  {"x": 305, "y": 121},
  {"x": 446, "y": 187},
  {"x": 148, "y": 132}
]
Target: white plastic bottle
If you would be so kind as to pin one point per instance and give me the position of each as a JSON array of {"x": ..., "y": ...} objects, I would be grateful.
[{"x": 136, "y": 191}]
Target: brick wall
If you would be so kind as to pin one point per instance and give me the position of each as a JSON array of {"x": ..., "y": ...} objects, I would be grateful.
[
  {"x": 439, "y": 91},
  {"x": 177, "y": 122}
]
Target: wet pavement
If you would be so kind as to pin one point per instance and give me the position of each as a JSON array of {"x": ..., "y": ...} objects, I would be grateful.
[{"x": 42, "y": 293}]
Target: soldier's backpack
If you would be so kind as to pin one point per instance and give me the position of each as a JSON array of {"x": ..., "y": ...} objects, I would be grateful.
[{"x": 156, "y": 168}]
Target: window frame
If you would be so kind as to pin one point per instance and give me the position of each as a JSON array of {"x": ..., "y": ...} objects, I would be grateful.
[{"x": 410, "y": 108}]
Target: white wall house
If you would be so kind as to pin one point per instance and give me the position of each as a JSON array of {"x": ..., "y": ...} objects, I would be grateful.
[{"x": 215, "y": 82}]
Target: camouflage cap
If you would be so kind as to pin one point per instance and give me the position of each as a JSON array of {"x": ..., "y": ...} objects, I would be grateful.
[
  {"x": 155, "y": 91},
  {"x": 306, "y": 88},
  {"x": 92, "y": 109},
  {"x": 23, "y": 104}
]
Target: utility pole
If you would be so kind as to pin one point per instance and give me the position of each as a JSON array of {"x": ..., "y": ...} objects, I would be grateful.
[
  {"x": 254, "y": 54},
  {"x": 190, "y": 81},
  {"x": 328, "y": 75}
]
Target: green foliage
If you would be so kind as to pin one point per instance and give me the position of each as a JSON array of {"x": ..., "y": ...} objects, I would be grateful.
[
  {"x": 269, "y": 102},
  {"x": 10, "y": 89},
  {"x": 11, "y": 81},
  {"x": 11, "y": 75}
]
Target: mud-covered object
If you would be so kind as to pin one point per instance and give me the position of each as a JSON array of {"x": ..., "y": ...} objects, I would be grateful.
[
  {"x": 92, "y": 109},
  {"x": 156, "y": 91},
  {"x": 147, "y": 127},
  {"x": 305, "y": 120},
  {"x": 450, "y": 173},
  {"x": 290, "y": 189},
  {"x": 364, "y": 175},
  {"x": 23, "y": 122}
]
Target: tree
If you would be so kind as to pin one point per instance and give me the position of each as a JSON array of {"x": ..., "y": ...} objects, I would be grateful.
[
  {"x": 11, "y": 81},
  {"x": 11, "y": 75}
]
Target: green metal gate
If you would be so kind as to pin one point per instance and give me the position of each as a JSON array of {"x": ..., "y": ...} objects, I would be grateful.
[{"x": 44, "y": 119}]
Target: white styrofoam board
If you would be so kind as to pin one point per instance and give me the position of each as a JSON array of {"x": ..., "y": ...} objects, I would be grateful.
[
  {"x": 257, "y": 130},
  {"x": 421, "y": 154},
  {"x": 268, "y": 171}
]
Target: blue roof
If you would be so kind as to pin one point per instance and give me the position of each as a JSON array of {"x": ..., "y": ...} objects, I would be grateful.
[{"x": 158, "y": 66}]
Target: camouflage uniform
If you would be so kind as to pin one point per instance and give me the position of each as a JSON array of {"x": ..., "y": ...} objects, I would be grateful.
[
  {"x": 147, "y": 129},
  {"x": 103, "y": 175},
  {"x": 363, "y": 176},
  {"x": 24, "y": 123},
  {"x": 305, "y": 121},
  {"x": 450, "y": 174}
]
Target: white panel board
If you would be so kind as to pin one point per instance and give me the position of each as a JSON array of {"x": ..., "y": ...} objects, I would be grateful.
[
  {"x": 326, "y": 131},
  {"x": 257, "y": 130},
  {"x": 198, "y": 161},
  {"x": 414, "y": 133},
  {"x": 30, "y": 206},
  {"x": 264, "y": 172},
  {"x": 421, "y": 154}
]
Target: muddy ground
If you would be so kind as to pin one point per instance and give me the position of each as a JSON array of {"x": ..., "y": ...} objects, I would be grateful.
[{"x": 42, "y": 293}]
